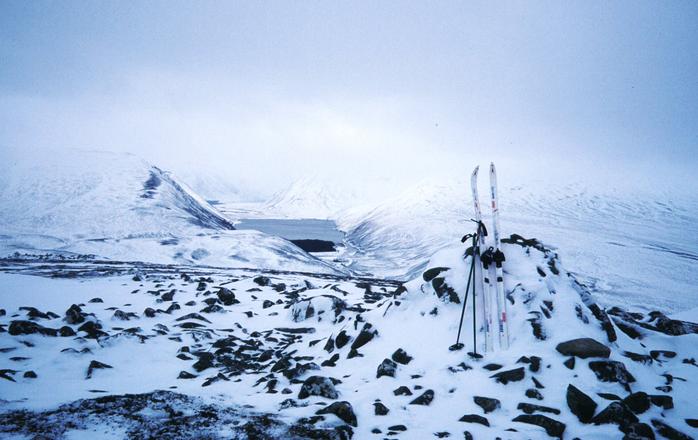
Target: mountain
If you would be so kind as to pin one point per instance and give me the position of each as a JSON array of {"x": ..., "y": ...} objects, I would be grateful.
[{"x": 117, "y": 206}]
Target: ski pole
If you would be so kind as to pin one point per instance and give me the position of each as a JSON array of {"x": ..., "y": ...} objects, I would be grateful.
[{"x": 465, "y": 300}]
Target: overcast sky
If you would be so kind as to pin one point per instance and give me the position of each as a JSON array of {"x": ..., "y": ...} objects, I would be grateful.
[{"x": 261, "y": 93}]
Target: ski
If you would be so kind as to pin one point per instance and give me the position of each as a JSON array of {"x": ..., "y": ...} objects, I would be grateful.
[
  {"x": 498, "y": 259},
  {"x": 482, "y": 280}
]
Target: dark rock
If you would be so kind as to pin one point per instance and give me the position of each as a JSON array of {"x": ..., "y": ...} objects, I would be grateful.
[
  {"x": 444, "y": 291},
  {"x": 401, "y": 357},
  {"x": 342, "y": 339},
  {"x": 205, "y": 361},
  {"x": 604, "y": 321},
  {"x": 432, "y": 273},
  {"x": 492, "y": 367},
  {"x": 400, "y": 428},
  {"x": 266, "y": 304},
  {"x": 552, "y": 427},
  {"x": 66, "y": 331},
  {"x": 30, "y": 328},
  {"x": 331, "y": 362},
  {"x": 656, "y": 354},
  {"x": 638, "y": 431},
  {"x": 424, "y": 399},
  {"x": 318, "y": 386},
  {"x": 637, "y": 357},
  {"x": 673, "y": 327},
  {"x": 609, "y": 396},
  {"x": 342, "y": 409},
  {"x": 168, "y": 296},
  {"x": 74, "y": 315},
  {"x": 514, "y": 375},
  {"x": 530, "y": 408},
  {"x": 533, "y": 393},
  {"x": 365, "y": 336},
  {"x": 537, "y": 383},
  {"x": 402, "y": 391},
  {"x": 95, "y": 365},
  {"x": 30, "y": 374},
  {"x": 123, "y": 316},
  {"x": 617, "y": 413},
  {"x": 474, "y": 418},
  {"x": 93, "y": 330},
  {"x": 569, "y": 363},
  {"x": 638, "y": 402},
  {"x": 386, "y": 368},
  {"x": 580, "y": 404},
  {"x": 667, "y": 431},
  {"x": 693, "y": 423},
  {"x": 379, "y": 409},
  {"x": 96, "y": 300},
  {"x": 666, "y": 402},
  {"x": 611, "y": 371},
  {"x": 149, "y": 312},
  {"x": 186, "y": 375},
  {"x": 262, "y": 281},
  {"x": 226, "y": 296},
  {"x": 583, "y": 348},
  {"x": 213, "y": 308},
  {"x": 487, "y": 404}
]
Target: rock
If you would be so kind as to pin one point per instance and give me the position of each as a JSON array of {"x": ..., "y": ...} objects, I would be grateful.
[
  {"x": 379, "y": 409},
  {"x": 66, "y": 331},
  {"x": 95, "y": 365},
  {"x": 657, "y": 354},
  {"x": 673, "y": 327},
  {"x": 205, "y": 361},
  {"x": 96, "y": 300},
  {"x": 401, "y": 357},
  {"x": 666, "y": 402},
  {"x": 552, "y": 427},
  {"x": 30, "y": 374},
  {"x": 617, "y": 413},
  {"x": 580, "y": 404},
  {"x": 168, "y": 296},
  {"x": 318, "y": 386},
  {"x": 342, "y": 339},
  {"x": 149, "y": 312},
  {"x": 693, "y": 423},
  {"x": 569, "y": 363},
  {"x": 530, "y": 408},
  {"x": 667, "y": 431},
  {"x": 74, "y": 315},
  {"x": 609, "y": 396},
  {"x": 444, "y": 291},
  {"x": 487, "y": 404},
  {"x": 425, "y": 399},
  {"x": 514, "y": 375},
  {"x": 492, "y": 367},
  {"x": 365, "y": 336},
  {"x": 30, "y": 328},
  {"x": 583, "y": 348},
  {"x": 533, "y": 393},
  {"x": 123, "y": 316},
  {"x": 402, "y": 391},
  {"x": 186, "y": 375},
  {"x": 226, "y": 296},
  {"x": 474, "y": 418},
  {"x": 266, "y": 304},
  {"x": 537, "y": 383},
  {"x": 262, "y": 281},
  {"x": 400, "y": 428},
  {"x": 93, "y": 330},
  {"x": 638, "y": 431},
  {"x": 213, "y": 308},
  {"x": 343, "y": 410},
  {"x": 432, "y": 273},
  {"x": 386, "y": 368},
  {"x": 638, "y": 402},
  {"x": 611, "y": 371}
]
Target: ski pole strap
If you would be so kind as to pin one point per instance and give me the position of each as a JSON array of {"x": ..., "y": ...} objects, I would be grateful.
[
  {"x": 487, "y": 258},
  {"x": 466, "y": 237},
  {"x": 498, "y": 257},
  {"x": 481, "y": 228}
]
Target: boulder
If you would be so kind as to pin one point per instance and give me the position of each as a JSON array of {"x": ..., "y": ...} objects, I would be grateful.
[
  {"x": 432, "y": 273},
  {"x": 474, "y": 418},
  {"x": 638, "y": 402},
  {"x": 226, "y": 296},
  {"x": 552, "y": 427},
  {"x": 74, "y": 315},
  {"x": 401, "y": 357},
  {"x": 530, "y": 408},
  {"x": 616, "y": 413},
  {"x": 365, "y": 336},
  {"x": 424, "y": 399},
  {"x": 95, "y": 365},
  {"x": 667, "y": 431},
  {"x": 386, "y": 368},
  {"x": 379, "y": 409},
  {"x": 30, "y": 328},
  {"x": 318, "y": 386},
  {"x": 612, "y": 371},
  {"x": 580, "y": 404},
  {"x": 343, "y": 410},
  {"x": 487, "y": 404},
  {"x": 583, "y": 348},
  {"x": 638, "y": 431},
  {"x": 507, "y": 376}
]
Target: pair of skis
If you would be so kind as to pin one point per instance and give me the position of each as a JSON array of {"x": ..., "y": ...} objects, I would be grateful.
[{"x": 488, "y": 262}]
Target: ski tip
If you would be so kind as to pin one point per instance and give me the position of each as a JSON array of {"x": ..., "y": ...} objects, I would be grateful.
[
  {"x": 477, "y": 168},
  {"x": 491, "y": 165}
]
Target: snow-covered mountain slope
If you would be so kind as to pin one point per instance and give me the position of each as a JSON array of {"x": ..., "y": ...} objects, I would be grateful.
[
  {"x": 331, "y": 357},
  {"x": 117, "y": 206},
  {"x": 634, "y": 249}
]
